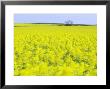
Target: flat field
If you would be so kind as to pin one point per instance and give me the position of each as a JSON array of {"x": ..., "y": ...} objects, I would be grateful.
[{"x": 52, "y": 50}]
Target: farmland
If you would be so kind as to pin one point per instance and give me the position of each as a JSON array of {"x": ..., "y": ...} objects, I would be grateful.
[{"x": 52, "y": 50}]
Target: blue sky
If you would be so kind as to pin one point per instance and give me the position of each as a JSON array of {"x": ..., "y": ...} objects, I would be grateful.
[{"x": 56, "y": 18}]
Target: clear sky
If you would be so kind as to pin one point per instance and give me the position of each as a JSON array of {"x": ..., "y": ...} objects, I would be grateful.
[{"x": 56, "y": 18}]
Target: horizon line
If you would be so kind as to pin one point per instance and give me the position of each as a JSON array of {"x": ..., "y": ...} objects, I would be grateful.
[{"x": 56, "y": 23}]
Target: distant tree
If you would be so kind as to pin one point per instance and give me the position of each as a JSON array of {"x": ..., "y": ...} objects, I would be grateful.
[{"x": 68, "y": 23}]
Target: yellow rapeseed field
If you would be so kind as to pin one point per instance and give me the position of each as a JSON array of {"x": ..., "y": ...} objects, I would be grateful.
[{"x": 52, "y": 50}]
